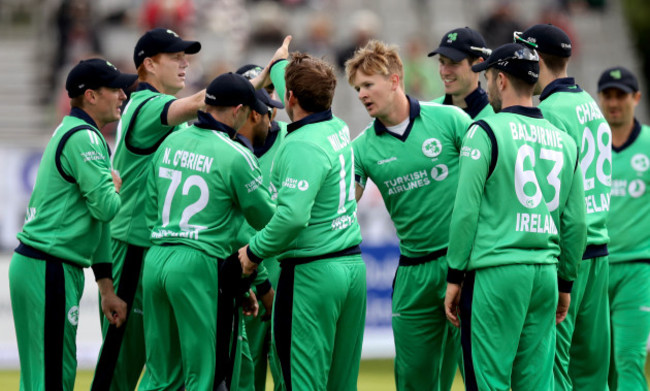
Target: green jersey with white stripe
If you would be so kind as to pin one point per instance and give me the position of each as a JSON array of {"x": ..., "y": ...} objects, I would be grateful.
[
  {"x": 199, "y": 183},
  {"x": 568, "y": 107},
  {"x": 71, "y": 205},
  {"x": 520, "y": 195},
  {"x": 313, "y": 175},
  {"x": 416, "y": 173},
  {"x": 142, "y": 128},
  {"x": 629, "y": 220}
]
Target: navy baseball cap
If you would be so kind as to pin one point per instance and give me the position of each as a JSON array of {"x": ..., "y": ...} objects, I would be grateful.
[
  {"x": 459, "y": 43},
  {"x": 94, "y": 73},
  {"x": 231, "y": 89},
  {"x": 267, "y": 100},
  {"x": 516, "y": 59},
  {"x": 546, "y": 38},
  {"x": 618, "y": 77},
  {"x": 161, "y": 40}
]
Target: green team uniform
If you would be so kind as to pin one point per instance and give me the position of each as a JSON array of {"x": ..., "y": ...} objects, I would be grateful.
[
  {"x": 517, "y": 230},
  {"x": 66, "y": 229},
  {"x": 417, "y": 176},
  {"x": 140, "y": 131},
  {"x": 629, "y": 260},
  {"x": 198, "y": 183},
  {"x": 258, "y": 331},
  {"x": 478, "y": 106},
  {"x": 320, "y": 303},
  {"x": 583, "y": 338}
]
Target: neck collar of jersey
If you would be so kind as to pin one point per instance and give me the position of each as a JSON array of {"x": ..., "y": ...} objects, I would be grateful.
[
  {"x": 270, "y": 140},
  {"x": 206, "y": 121},
  {"x": 414, "y": 112},
  {"x": 82, "y": 115},
  {"x": 528, "y": 111},
  {"x": 636, "y": 130},
  {"x": 476, "y": 101},
  {"x": 563, "y": 84},
  {"x": 143, "y": 85},
  {"x": 310, "y": 119}
]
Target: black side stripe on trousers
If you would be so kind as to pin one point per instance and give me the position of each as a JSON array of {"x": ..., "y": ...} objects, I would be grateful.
[
  {"x": 466, "y": 297},
  {"x": 55, "y": 315},
  {"x": 114, "y": 336},
  {"x": 282, "y": 314}
]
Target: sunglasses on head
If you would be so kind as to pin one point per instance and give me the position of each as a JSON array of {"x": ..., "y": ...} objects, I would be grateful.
[
  {"x": 523, "y": 54},
  {"x": 517, "y": 38}
]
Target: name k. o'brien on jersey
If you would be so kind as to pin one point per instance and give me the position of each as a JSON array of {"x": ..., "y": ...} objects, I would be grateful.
[{"x": 189, "y": 160}]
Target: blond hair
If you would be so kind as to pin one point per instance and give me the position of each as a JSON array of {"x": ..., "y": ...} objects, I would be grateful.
[{"x": 375, "y": 58}]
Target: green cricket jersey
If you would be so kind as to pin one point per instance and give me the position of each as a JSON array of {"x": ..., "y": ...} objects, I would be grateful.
[
  {"x": 478, "y": 105},
  {"x": 313, "y": 179},
  {"x": 417, "y": 173},
  {"x": 520, "y": 196},
  {"x": 568, "y": 107},
  {"x": 628, "y": 224},
  {"x": 199, "y": 181},
  {"x": 142, "y": 128},
  {"x": 73, "y": 201}
]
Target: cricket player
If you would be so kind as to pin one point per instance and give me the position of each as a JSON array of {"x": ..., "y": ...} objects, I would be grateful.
[
  {"x": 66, "y": 229},
  {"x": 199, "y": 183},
  {"x": 266, "y": 135},
  {"x": 517, "y": 232},
  {"x": 629, "y": 229},
  {"x": 152, "y": 113},
  {"x": 320, "y": 302},
  {"x": 411, "y": 151},
  {"x": 459, "y": 49},
  {"x": 583, "y": 339}
]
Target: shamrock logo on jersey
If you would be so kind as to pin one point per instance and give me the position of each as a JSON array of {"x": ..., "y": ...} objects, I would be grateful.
[
  {"x": 451, "y": 37},
  {"x": 431, "y": 147},
  {"x": 475, "y": 154},
  {"x": 73, "y": 315},
  {"x": 640, "y": 162},
  {"x": 616, "y": 74}
]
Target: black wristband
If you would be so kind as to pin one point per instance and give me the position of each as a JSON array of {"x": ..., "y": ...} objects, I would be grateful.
[
  {"x": 263, "y": 287},
  {"x": 102, "y": 270},
  {"x": 564, "y": 286},
  {"x": 252, "y": 256},
  {"x": 455, "y": 276}
]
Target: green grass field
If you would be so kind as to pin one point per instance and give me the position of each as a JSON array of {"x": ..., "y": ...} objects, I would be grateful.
[{"x": 375, "y": 375}]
